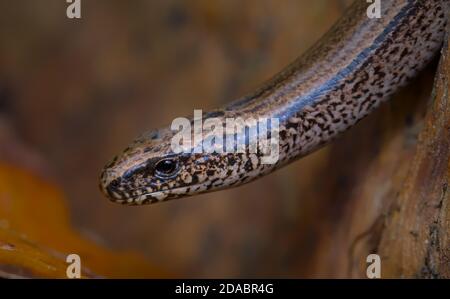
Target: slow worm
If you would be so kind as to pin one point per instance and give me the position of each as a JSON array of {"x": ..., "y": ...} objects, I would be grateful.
[{"x": 353, "y": 68}]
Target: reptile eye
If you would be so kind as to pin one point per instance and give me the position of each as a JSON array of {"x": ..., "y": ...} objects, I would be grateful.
[{"x": 166, "y": 168}]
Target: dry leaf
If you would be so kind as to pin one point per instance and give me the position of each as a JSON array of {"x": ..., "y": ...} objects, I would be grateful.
[{"x": 36, "y": 235}]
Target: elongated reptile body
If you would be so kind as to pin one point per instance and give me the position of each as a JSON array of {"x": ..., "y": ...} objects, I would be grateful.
[{"x": 357, "y": 65}]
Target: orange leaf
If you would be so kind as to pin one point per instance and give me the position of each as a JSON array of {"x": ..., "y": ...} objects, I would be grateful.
[{"x": 36, "y": 236}]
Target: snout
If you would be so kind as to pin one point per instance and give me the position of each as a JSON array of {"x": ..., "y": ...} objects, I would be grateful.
[{"x": 110, "y": 185}]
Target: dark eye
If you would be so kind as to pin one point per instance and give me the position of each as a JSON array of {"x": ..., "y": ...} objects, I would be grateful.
[{"x": 166, "y": 168}]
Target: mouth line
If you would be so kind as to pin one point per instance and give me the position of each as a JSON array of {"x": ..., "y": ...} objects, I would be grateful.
[{"x": 158, "y": 195}]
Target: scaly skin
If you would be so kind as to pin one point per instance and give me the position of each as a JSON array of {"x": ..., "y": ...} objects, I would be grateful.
[{"x": 356, "y": 66}]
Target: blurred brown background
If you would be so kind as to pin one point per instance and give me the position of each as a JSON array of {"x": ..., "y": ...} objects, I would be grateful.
[{"x": 73, "y": 93}]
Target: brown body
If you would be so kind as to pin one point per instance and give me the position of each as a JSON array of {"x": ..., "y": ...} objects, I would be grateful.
[{"x": 358, "y": 64}]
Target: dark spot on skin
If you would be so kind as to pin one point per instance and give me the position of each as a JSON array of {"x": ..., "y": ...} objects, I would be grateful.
[
  {"x": 231, "y": 161},
  {"x": 195, "y": 178},
  {"x": 213, "y": 181},
  {"x": 404, "y": 53},
  {"x": 292, "y": 125},
  {"x": 248, "y": 166},
  {"x": 394, "y": 51}
]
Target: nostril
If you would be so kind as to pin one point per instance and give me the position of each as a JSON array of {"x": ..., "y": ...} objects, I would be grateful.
[
  {"x": 112, "y": 189},
  {"x": 114, "y": 184}
]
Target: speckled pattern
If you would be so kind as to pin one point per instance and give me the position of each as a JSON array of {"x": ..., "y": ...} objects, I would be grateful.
[{"x": 357, "y": 65}]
